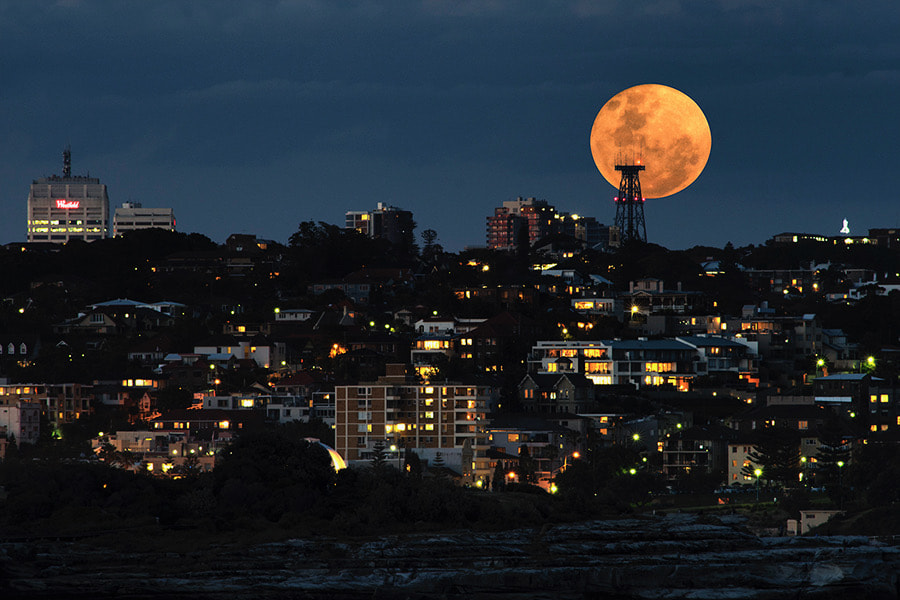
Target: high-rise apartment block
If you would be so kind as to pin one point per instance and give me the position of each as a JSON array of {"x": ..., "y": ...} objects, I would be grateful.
[
  {"x": 399, "y": 412},
  {"x": 389, "y": 222},
  {"x": 508, "y": 226},
  {"x": 132, "y": 216},
  {"x": 67, "y": 207}
]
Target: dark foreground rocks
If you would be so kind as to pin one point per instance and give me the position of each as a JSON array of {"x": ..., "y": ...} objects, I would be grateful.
[{"x": 671, "y": 557}]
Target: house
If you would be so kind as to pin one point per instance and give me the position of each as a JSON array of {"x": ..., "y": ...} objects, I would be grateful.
[
  {"x": 550, "y": 446},
  {"x": 648, "y": 296},
  {"x": 562, "y": 392},
  {"x": 20, "y": 419},
  {"x": 60, "y": 402},
  {"x": 701, "y": 448}
]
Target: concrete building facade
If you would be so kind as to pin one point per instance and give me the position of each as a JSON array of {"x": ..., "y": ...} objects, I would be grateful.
[
  {"x": 67, "y": 207},
  {"x": 132, "y": 216},
  {"x": 398, "y": 412}
]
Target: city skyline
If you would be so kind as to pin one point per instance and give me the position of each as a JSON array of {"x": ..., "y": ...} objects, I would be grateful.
[{"x": 252, "y": 119}]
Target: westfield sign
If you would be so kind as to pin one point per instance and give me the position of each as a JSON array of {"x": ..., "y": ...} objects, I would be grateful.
[{"x": 67, "y": 204}]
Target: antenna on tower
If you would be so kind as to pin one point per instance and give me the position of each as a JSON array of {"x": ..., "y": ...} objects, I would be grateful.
[{"x": 67, "y": 161}]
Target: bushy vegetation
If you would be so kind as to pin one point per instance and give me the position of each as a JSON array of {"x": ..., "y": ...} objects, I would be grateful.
[{"x": 273, "y": 480}]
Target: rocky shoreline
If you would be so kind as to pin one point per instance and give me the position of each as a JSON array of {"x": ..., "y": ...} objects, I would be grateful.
[{"x": 674, "y": 557}]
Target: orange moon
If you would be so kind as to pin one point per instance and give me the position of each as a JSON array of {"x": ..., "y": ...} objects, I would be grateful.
[{"x": 658, "y": 127}]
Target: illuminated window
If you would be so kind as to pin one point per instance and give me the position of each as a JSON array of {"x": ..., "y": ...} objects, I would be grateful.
[
  {"x": 224, "y": 424},
  {"x": 429, "y": 426},
  {"x": 388, "y": 428},
  {"x": 513, "y": 437},
  {"x": 429, "y": 390},
  {"x": 803, "y": 425},
  {"x": 884, "y": 398},
  {"x": 597, "y": 367},
  {"x": 873, "y": 398},
  {"x": 429, "y": 415},
  {"x": 247, "y": 402}
]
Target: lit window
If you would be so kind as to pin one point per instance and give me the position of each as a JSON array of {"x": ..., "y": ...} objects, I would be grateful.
[
  {"x": 224, "y": 424},
  {"x": 884, "y": 398}
]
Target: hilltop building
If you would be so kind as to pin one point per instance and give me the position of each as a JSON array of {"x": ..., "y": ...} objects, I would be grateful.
[
  {"x": 510, "y": 223},
  {"x": 389, "y": 222},
  {"x": 132, "y": 216},
  {"x": 67, "y": 207}
]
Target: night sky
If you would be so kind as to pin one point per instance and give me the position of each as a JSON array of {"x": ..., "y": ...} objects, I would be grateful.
[{"x": 250, "y": 117}]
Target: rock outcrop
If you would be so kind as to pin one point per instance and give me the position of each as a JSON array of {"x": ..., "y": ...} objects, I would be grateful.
[{"x": 672, "y": 557}]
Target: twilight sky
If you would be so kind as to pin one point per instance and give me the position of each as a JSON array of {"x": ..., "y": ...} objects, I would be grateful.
[{"x": 251, "y": 117}]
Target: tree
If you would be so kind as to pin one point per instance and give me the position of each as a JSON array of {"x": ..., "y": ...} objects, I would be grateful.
[
  {"x": 832, "y": 453},
  {"x": 526, "y": 465},
  {"x": 777, "y": 454},
  {"x": 412, "y": 464},
  {"x": 378, "y": 458},
  {"x": 499, "y": 476}
]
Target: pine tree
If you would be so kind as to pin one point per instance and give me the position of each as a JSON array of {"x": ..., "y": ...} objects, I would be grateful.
[
  {"x": 378, "y": 458},
  {"x": 777, "y": 454},
  {"x": 526, "y": 465},
  {"x": 831, "y": 455}
]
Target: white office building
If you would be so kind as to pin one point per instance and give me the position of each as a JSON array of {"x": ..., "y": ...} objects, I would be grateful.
[
  {"x": 67, "y": 207},
  {"x": 132, "y": 216}
]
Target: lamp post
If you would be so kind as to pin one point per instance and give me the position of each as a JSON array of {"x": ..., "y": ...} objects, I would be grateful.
[
  {"x": 394, "y": 448},
  {"x": 840, "y": 466},
  {"x": 758, "y": 473}
]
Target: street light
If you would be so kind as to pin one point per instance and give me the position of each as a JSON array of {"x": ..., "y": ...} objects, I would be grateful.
[
  {"x": 758, "y": 473},
  {"x": 394, "y": 448},
  {"x": 840, "y": 466}
]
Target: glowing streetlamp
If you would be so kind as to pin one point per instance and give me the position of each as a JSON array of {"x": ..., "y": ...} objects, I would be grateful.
[
  {"x": 394, "y": 448},
  {"x": 840, "y": 466},
  {"x": 758, "y": 473}
]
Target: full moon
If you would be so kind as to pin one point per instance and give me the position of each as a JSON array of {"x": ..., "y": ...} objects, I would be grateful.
[{"x": 655, "y": 126}]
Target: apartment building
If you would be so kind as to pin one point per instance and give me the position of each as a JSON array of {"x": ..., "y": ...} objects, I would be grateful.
[{"x": 399, "y": 412}]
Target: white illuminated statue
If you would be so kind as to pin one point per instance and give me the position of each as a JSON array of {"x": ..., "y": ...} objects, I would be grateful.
[{"x": 845, "y": 230}]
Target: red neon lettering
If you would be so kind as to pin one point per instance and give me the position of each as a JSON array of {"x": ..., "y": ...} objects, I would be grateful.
[{"x": 67, "y": 204}]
